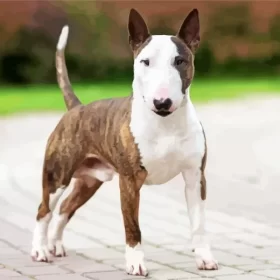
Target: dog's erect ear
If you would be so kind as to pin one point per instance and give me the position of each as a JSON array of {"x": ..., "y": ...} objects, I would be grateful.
[
  {"x": 138, "y": 30},
  {"x": 189, "y": 31}
]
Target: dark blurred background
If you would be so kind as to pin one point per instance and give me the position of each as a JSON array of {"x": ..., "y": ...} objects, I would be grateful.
[{"x": 239, "y": 38}]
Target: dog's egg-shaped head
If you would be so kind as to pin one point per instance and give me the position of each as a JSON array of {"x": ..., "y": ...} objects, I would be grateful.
[{"x": 163, "y": 65}]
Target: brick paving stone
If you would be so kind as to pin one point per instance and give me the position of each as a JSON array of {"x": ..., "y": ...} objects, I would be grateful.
[
  {"x": 184, "y": 265},
  {"x": 168, "y": 257},
  {"x": 43, "y": 270},
  {"x": 273, "y": 273},
  {"x": 21, "y": 261},
  {"x": 230, "y": 245},
  {"x": 194, "y": 278},
  {"x": 116, "y": 275},
  {"x": 9, "y": 252},
  {"x": 4, "y": 245},
  {"x": 230, "y": 259},
  {"x": 275, "y": 261},
  {"x": 167, "y": 274},
  {"x": 254, "y": 267},
  {"x": 88, "y": 266},
  {"x": 268, "y": 253},
  {"x": 16, "y": 278},
  {"x": 70, "y": 259},
  {"x": 243, "y": 277},
  {"x": 254, "y": 239},
  {"x": 101, "y": 254},
  {"x": 223, "y": 270},
  {"x": 249, "y": 252},
  {"x": 8, "y": 273},
  {"x": 15, "y": 235},
  {"x": 59, "y": 277},
  {"x": 177, "y": 247}
]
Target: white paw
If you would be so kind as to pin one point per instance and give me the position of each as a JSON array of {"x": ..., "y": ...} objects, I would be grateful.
[
  {"x": 135, "y": 261},
  {"x": 56, "y": 248},
  {"x": 41, "y": 254},
  {"x": 55, "y": 243},
  {"x": 205, "y": 260},
  {"x": 40, "y": 251}
]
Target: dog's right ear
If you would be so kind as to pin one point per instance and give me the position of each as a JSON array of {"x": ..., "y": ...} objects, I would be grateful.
[{"x": 137, "y": 29}]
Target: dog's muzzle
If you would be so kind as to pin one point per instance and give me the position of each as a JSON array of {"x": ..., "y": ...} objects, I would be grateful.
[{"x": 162, "y": 106}]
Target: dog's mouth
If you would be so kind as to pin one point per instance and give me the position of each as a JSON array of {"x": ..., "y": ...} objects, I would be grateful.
[{"x": 163, "y": 113}]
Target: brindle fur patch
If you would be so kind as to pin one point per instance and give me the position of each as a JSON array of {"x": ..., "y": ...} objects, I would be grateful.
[
  {"x": 130, "y": 199},
  {"x": 186, "y": 69},
  {"x": 100, "y": 128},
  {"x": 81, "y": 193},
  {"x": 71, "y": 100}
]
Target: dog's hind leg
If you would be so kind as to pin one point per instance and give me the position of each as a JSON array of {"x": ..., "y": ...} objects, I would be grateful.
[
  {"x": 83, "y": 190},
  {"x": 51, "y": 195}
]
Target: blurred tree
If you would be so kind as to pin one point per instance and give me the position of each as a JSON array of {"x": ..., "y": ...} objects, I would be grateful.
[
  {"x": 274, "y": 30},
  {"x": 162, "y": 25},
  {"x": 233, "y": 21},
  {"x": 19, "y": 58},
  {"x": 205, "y": 61}
]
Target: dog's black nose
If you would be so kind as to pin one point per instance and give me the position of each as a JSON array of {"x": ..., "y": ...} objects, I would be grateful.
[{"x": 162, "y": 104}]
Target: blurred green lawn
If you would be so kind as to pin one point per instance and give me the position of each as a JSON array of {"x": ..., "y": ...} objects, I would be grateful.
[{"x": 49, "y": 98}]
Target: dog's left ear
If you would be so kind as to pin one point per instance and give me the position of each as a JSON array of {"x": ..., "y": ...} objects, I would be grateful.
[
  {"x": 137, "y": 29},
  {"x": 190, "y": 30}
]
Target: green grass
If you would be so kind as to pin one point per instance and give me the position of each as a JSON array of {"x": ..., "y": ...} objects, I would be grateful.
[{"x": 49, "y": 97}]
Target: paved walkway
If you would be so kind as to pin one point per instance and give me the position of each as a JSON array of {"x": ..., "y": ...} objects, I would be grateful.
[{"x": 243, "y": 205}]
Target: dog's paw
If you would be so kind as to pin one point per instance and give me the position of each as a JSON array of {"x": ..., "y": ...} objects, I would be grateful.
[
  {"x": 137, "y": 269},
  {"x": 205, "y": 260},
  {"x": 41, "y": 254},
  {"x": 135, "y": 261},
  {"x": 57, "y": 249}
]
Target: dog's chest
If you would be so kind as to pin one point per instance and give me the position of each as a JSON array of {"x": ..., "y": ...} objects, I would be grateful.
[
  {"x": 167, "y": 150},
  {"x": 163, "y": 157}
]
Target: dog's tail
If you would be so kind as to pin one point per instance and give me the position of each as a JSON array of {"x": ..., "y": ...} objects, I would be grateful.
[{"x": 70, "y": 99}]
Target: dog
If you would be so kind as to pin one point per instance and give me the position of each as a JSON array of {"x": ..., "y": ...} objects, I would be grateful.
[{"x": 147, "y": 138}]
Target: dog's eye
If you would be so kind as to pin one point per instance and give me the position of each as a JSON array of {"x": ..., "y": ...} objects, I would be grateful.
[
  {"x": 179, "y": 61},
  {"x": 145, "y": 61}
]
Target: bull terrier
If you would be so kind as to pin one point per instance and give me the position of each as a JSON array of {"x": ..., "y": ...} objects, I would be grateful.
[{"x": 147, "y": 138}]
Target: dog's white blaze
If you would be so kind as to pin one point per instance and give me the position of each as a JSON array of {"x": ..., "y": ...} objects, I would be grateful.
[
  {"x": 63, "y": 38},
  {"x": 148, "y": 80},
  {"x": 134, "y": 257},
  {"x": 167, "y": 145}
]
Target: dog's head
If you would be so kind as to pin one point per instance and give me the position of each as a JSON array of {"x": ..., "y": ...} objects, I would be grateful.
[{"x": 163, "y": 65}]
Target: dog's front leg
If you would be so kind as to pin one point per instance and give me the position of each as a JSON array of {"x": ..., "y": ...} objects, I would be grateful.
[
  {"x": 195, "y": 191},
  {"x": 130, "y": 198}
]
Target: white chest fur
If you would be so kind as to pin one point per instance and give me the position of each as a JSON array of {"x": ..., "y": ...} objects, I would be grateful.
[{"x": 167, "y": 145}]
